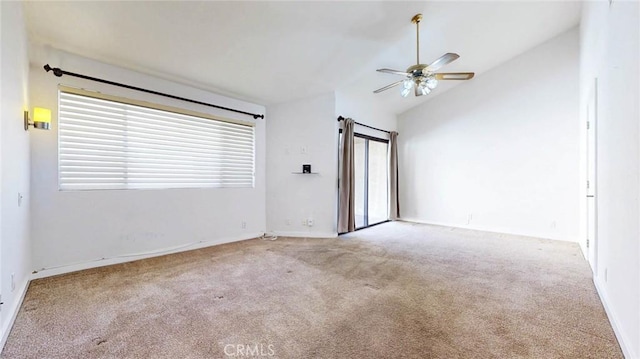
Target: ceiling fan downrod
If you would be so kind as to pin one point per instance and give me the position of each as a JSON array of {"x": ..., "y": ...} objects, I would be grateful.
[{"x": 416, "y": 20}]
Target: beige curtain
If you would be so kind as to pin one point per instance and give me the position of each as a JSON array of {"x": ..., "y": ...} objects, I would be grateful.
[
  {"x": 346, "y": 210},
  {"x": 394, "y": 204}
]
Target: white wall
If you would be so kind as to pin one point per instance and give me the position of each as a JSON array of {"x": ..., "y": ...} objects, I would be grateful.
[
  {"x": 300, "y": 132},
  {"x": 500, "y": 152},
  {"x": 610, "y": 52},
  {"x": 79, "y": 227},
  {"x": 14, "y": 163}
]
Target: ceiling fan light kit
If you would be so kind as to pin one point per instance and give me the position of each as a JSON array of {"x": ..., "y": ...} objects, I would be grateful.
[{"x": 422, "y": 78}]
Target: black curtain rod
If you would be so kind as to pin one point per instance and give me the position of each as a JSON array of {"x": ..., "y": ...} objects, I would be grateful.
[
  {"x": 340, "y": 118},
  {"x": 59, "y": 72}
]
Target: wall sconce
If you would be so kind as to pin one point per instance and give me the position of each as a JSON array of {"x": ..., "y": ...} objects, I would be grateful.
[{"x": 41, "y": 119}]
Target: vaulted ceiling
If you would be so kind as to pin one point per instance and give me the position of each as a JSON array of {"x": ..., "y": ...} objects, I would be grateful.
[{"x": 273, "y": 52}]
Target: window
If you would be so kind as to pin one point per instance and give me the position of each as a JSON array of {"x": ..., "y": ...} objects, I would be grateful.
[{"x": 106, "y": 142}]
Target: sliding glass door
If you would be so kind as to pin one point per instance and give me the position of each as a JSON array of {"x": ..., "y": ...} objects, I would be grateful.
[{"x": 370, "y": 159}]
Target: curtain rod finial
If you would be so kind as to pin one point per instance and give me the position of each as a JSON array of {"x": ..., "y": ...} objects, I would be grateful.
[{"x": 56, "y": 71}]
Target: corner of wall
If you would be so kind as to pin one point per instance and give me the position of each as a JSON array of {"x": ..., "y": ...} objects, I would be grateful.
[
  {"x": 15, "y": 194},
  {"x": 608, "y": 30},
  {"x": 614, "y": 319},
  {"x": 13, "y": 313}
]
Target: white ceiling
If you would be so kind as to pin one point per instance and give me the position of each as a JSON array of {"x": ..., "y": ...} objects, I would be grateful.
[{"x": 272, "y": 52}]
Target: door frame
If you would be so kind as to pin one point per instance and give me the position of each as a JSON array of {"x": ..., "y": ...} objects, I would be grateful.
[
  {"x": 366, "y": 172},
  {"x": 592, "y": 182}
]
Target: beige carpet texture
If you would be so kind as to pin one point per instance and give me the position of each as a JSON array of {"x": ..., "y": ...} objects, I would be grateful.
[{"x": 397, "y": 290}]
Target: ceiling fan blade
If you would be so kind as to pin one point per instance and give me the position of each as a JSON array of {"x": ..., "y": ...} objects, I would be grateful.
[
  {"x": 443, "y": 60},
  {"x": 394, "y": 72},
  {"x": 388, "y": 86},
  {"x": 454, "y": 75}
]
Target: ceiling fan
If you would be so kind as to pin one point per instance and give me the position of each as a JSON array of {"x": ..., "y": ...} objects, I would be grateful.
[{"x": 420, "y": 77}]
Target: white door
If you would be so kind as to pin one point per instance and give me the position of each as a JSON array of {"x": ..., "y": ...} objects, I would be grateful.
[{"x": 592, "y": 208}]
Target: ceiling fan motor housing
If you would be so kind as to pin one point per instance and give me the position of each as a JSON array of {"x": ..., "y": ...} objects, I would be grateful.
[
  {"x": 418, "y": 70},
  {"x": 419, "y": 74}
]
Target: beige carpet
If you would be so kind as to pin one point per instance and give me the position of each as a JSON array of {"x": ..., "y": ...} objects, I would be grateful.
[{"x": 397, "y": 290}]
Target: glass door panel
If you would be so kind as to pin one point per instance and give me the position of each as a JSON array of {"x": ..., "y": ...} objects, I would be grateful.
[
  {"x": 377, "y": 182},
  {"x": 370, "y": 160}
]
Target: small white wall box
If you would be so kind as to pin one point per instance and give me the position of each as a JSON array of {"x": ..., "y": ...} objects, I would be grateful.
[{"x": 306, "y": 168}]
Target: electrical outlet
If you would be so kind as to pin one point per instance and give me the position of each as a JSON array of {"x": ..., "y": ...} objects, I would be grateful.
[
  {"x": 303, "y": 150},
  {"x": 605, "y": 274},
  {"x": 20, "y": 199},
  {"x": 469, "y": 218},
  {"x": 244, "y": 225},
  {"x": 287, "y": 222},
  {"x": 13, "y": 282},
  {"x": 310, "y": 222}
]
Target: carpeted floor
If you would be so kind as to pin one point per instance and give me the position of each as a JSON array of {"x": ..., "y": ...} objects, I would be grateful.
[{"x": 397, "y": 290}]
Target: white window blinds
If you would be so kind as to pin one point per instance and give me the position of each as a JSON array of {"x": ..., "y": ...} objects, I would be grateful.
[{"x": 107, "y": 144}]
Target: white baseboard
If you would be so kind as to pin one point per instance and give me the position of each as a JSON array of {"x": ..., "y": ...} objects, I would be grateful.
[
  {"x": 48, "y": 272},
  {"x": 304, "y": 234},
  {"x": 624, "y": 342},
  {"x": 483, "y": 229},
  {"x": 13, "y": 313}
]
